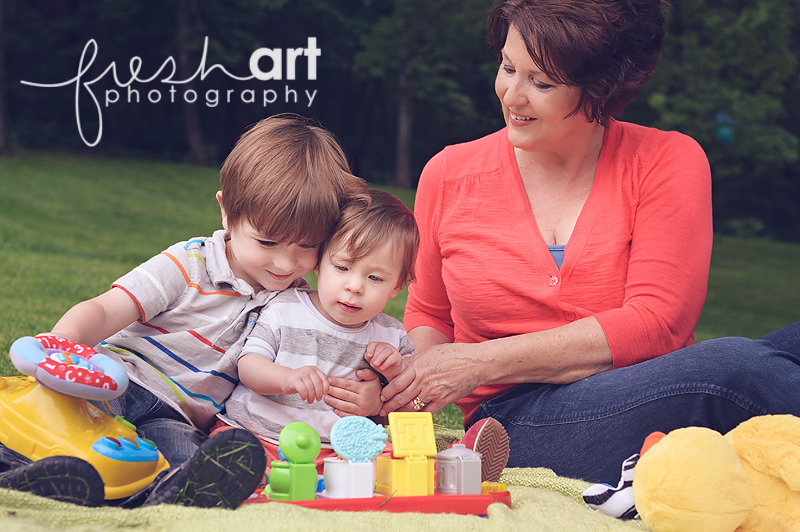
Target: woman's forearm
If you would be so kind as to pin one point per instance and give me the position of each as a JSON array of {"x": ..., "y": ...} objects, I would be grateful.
[
  {"x": 444, "y": 372},
  {"x": 425, "y": 337},
  {"x": 560, "y": 355}
]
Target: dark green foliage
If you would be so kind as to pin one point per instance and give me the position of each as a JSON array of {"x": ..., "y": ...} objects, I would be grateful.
[
  {"x": 728, "y": 77},
  {"x": 356, "y": 79}
]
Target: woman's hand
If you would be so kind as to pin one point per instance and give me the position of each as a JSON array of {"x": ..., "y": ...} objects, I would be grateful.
[
  {"x": 438, "y": 375},
  {"x": 350, "y": 397}
]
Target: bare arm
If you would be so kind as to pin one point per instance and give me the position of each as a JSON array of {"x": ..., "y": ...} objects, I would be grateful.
[
  {"x": 561, "y": 355},
  {"x": 94, "y": 320},
  {"x": 443, "y": 372},
  {"x": 425, "y": 337},
  {"x": 264, "y": 377}
]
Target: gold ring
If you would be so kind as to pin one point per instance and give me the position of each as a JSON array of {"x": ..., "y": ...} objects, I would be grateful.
[{"x": 418, "y": 403}]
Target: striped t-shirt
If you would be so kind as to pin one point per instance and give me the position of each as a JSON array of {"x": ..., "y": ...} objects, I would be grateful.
[
  {"x": 293, "y": 333},
  {"x": 196, "y": 316}
]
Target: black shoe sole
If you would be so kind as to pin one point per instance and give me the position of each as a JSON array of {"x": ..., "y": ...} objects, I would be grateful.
[
  {"x": 222, "y": 473},
  {"x": 63, "y": 478}
]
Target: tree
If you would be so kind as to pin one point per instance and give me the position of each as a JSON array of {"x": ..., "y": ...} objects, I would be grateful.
[
  {"x": 400, "y": 79},
  {"x": 723, "y": 79},
  {"x": 429, "y": 52},
  {"x": 4, "y": 149},
  {"x": 191, "y": 120}
]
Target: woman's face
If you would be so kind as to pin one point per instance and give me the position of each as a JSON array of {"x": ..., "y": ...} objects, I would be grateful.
[{"x": 534, "y": 106}]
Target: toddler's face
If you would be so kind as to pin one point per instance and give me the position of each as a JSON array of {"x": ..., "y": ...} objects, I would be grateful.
[
  {"x": 353, "y": 292},
  {"x": 264, "y": 263}
]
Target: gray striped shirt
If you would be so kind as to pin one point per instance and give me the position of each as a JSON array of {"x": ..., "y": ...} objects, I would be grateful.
[{"x": 292, "y": 333}]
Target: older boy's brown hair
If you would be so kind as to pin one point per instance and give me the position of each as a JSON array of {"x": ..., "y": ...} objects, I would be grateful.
[
  {"x": 289, "y": 178},
  {"x": 372, "y": 219}
]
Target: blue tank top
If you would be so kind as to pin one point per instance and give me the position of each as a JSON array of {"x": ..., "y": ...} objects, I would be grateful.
[{"x": 558, "y": 254}]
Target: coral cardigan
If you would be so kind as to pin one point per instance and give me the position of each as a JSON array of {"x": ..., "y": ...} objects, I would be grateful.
[{"x": 637, "y": 259}]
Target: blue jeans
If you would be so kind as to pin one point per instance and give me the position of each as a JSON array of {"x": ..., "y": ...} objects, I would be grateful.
[
  {"x": 586, "y": 429},
  {"x": 175, "y": 437}
]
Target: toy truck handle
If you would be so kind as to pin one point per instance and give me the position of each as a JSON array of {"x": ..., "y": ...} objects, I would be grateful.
[{"x": 69, "y": 367}]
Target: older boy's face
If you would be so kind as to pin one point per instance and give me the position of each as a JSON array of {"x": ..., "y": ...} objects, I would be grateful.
[
  {"x": 264, "y": 263},
  {"x": 353, "y": 292}
]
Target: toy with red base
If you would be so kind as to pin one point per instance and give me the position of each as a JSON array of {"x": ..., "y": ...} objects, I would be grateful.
[
  {"x": 47, "y": 413},
  {"x": 431, "y": 504},
  {"x": 350, "y": 479}
]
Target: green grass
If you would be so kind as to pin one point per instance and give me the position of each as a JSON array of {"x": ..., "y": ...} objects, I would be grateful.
[
  {"x": 753, "y": 288},
  {"x": 70, "y": 225}
]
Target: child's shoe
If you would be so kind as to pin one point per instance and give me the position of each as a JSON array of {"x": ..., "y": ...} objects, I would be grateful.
[
  {"x": 223, "y": 472},
  {"x": 10, "y": 459},
  {"x": 489, "y": 438},
  {"x": 62, "y": 478}
]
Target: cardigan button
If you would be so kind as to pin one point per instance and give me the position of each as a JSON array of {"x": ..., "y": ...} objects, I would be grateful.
[{"x": 553, "y": 280}]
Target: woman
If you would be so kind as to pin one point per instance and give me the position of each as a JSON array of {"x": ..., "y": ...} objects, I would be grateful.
[{"x": 562, "y": 256}]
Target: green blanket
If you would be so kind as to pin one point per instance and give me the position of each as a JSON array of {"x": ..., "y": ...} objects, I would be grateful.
[{"x": 541, "y": 501}]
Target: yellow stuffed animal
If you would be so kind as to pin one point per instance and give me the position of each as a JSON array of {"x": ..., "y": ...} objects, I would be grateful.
[{"x": 696, "y": 480}]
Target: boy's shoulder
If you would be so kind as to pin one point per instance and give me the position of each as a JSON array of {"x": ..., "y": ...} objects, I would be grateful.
[
  {"x": 284, "y": 305},
  {"x": 290, "y": 296},
  {"x": 199, "y": 247},
  {"x": 387, "y": 321},
  {"x": 205, "y": 245},
  {"x": 206, "y": 257},
  {"x": 385, "y": 328}
]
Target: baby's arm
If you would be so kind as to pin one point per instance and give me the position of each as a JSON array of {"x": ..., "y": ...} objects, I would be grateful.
[
  {"x": 384, "y": 358},
  {"x": 92, "y": 321},
  {"x": 263, "y": 376}
]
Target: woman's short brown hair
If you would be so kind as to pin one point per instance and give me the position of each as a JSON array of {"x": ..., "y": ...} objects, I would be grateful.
[
  {"x": 607, "y": 48},
  {"x": 373, "y": 219},
  {"x": 289, "y": 178}
]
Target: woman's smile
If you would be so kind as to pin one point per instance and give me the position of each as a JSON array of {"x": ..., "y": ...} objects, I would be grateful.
[{"x": 520, "y": 117}]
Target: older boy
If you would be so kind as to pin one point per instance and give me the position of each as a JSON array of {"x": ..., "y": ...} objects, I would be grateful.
[{"x": 178, "y": 321}]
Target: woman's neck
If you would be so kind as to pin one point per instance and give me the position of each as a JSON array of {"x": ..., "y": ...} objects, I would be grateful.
[
  {"x": 558, "y": 183},
  {"x": 573, "y": 164}
]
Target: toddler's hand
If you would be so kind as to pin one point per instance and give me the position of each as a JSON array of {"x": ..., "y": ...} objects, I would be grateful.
[
  {"x": 308, "y": 381},
  {"x": 384, "y": 358}
]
